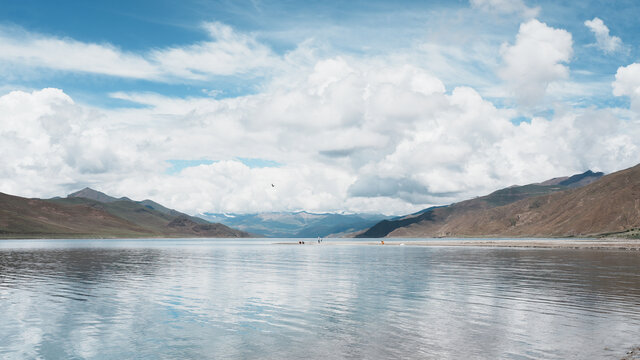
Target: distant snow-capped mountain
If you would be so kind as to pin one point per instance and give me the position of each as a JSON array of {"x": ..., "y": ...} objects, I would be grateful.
[{"x": 299, "y": 224}]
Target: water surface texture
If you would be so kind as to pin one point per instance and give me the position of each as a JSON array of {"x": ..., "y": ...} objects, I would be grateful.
[{"x": 183, "y": 299}]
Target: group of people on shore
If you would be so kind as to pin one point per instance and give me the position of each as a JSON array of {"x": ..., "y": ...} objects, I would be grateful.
[{"x": 320, "y": 240}]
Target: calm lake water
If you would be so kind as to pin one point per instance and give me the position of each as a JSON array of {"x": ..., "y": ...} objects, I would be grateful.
[{"x": 250, "y": 299}]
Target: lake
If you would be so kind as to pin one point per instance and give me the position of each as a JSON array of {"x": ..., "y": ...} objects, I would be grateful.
[{"x": 252, "y": 299}]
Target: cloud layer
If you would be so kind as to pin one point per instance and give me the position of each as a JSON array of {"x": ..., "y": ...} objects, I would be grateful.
[
  {"x": 349, "y": 135},
  {"x": 360, "y": 132},
  {"x": 506, "y": 7},
  {"x": 226, "y": 53}
]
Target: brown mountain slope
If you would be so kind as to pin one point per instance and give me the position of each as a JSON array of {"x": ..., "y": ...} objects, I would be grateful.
[
  {"x": 88, "y": 193},
  {"x": 78, "y": 217},
  {"x": 26, "y": 218},
  {"x": 184, "y": 225},
  {"x": 435, "y": 217},
  {"x": 146, "y": 212},
  {"x": 608, "y": 205}
]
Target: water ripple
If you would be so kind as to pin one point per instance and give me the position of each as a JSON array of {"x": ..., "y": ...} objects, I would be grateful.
[{"x": 199, "y": 299}]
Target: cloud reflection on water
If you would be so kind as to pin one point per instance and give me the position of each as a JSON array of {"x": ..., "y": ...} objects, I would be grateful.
[{"x": 215, "y": 299}]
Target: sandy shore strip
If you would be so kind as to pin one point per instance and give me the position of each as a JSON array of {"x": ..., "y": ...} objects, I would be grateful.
[{"x": 612, "y": 244}]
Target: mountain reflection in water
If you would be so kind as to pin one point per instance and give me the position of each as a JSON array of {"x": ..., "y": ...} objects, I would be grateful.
[{"x": 254, "y": 300}]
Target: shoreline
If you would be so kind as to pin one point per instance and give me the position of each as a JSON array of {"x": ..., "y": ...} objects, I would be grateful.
[
  {"x": 558, "y": 243},
  {"x": 540, "y": 243}
]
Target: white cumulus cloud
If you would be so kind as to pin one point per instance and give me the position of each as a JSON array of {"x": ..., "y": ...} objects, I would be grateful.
[
  {"x": 627, "y": 83},
  {"x": 536, "y": 60},
  {"x": 604, "y": 41},
  {"x": 49, "y": 142}
]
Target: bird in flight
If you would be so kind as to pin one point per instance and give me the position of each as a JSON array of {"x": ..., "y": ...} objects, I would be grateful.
[{"x": 273, "y": 185}]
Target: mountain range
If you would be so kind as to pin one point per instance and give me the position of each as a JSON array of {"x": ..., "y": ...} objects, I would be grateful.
[
  {"x": 299, "y": 224},
  {"x": 587, "y": 204},
  {"x": 92, "y": 214}
]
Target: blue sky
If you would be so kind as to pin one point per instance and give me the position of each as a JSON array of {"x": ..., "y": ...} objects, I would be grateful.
[
  {"x": 354, "y": 27},
  {"x": 371, "y": 106}
]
